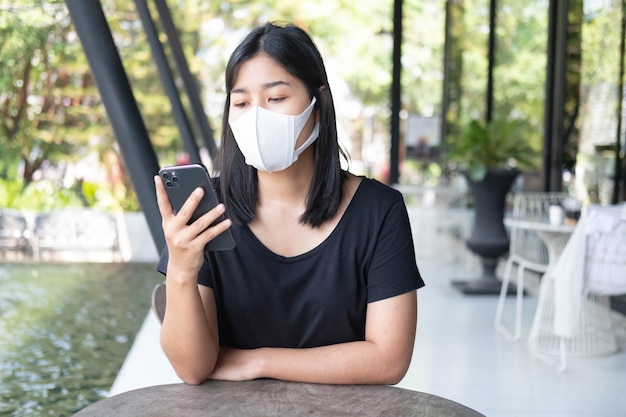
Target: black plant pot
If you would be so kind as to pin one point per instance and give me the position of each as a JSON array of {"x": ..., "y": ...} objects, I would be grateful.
[{"x": 489, "y": 238}]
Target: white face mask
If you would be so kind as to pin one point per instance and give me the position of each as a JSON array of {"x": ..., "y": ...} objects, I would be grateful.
[{"x": 268, "y": 139}]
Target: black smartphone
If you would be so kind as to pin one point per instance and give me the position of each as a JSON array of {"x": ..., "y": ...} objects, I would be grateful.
[{"x": 180, "y": 181}]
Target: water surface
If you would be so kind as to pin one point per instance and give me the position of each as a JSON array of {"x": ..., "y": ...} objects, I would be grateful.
[{"x": 65, "y": 330}]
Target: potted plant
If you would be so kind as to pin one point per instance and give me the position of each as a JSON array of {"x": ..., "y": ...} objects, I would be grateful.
[
  {"x": 499, "y": 144},
  {"x": 489, "y": 155}
]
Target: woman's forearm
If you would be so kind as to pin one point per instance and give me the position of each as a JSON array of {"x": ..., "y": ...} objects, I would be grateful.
[
  {"x": 383, "y": 358},
  {"x": 346, "y": 363},
  {"x": 189, "y": 339}
]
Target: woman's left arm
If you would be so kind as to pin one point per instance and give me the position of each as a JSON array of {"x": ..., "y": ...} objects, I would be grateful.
[{"x": 383, "y": 358}]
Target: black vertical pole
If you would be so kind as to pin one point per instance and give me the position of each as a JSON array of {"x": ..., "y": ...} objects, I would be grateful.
[
  {"x": 396, "y": 73},
  {"x": 186, "y": 133},
  {"x": 491, "y": 54},
  {"x": 110, "y": 77},
  {"x": 555, "y": 94},
  {"x": 189, "y": 82},
  {"x": 618, "y": 184},
  {"x": 445, "y": 99},
  {"x": 549, "y": 101}
]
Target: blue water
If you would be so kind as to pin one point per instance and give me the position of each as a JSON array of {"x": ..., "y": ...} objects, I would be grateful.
[{"x": 65, "y": 330}]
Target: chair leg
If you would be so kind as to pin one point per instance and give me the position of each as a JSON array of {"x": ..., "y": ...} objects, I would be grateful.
[
  {"x": 518, "y": 302},
  {"x": 502, "y": 299}
]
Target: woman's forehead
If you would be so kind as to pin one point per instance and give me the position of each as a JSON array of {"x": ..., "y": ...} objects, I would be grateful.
[{"x": 262, "y": 72}]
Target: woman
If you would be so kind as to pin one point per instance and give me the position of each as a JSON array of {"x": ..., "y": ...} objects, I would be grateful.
[{"x": 322, "y": 284}]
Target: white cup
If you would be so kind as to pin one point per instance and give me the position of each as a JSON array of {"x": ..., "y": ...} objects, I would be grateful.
[{"x": 556, "y": 214}]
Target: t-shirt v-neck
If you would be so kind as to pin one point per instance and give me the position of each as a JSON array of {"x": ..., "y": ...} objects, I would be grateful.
[{"x": 311, "y": 252}]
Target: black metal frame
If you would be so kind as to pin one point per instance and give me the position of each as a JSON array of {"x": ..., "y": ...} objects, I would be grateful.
[
  {"x": 619, "y": 183},
  {"x": 167, "y": 78},
  {"x": 491, "y": 58},
  {"x": 396, "y": 94},
  {"x": 119, "y": 102},
  {"x": 189, "y": 82},
  {"x": 555, "y": 94}
]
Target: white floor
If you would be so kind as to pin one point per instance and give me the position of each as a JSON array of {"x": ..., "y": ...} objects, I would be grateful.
[{"x": 458, "y": 353}]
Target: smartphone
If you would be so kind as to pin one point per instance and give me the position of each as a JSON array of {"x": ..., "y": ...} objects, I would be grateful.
[{"x": 180, "y": 181}]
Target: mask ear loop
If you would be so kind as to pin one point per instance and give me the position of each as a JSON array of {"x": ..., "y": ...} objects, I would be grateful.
[
  {"x": 314, "y": 134},
  {"x": 312, "y": 138}
]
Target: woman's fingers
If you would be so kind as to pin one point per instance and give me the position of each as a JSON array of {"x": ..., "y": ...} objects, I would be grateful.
[
  {"x": 190, "y": 205},
  {"x": 165, "y": 206},
  {"x": 201, "y": 231},
  {"x": 214, "y": 231},
  {"x": 208, "y": 226}
]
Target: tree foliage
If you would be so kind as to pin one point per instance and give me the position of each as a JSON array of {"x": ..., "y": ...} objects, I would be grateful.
[
  {"x": 47, "y": 98},
  {"x": 519, "y": 66},
  {"x": 52, "y": 116}
]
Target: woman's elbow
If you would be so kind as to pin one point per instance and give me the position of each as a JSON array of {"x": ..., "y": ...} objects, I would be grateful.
[
  {"x": 395, "y": 366},
  {"x": 192, "y": 374},
  {"x": 393, "y": 374},
  {"x": 191, "y": 379}
]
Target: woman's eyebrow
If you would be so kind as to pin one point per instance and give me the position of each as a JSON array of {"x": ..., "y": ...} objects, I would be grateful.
[
  {"x": 265, "y": 86},
  {"x": 275, "y": 83},
  {"x": 238, "y": 91}
]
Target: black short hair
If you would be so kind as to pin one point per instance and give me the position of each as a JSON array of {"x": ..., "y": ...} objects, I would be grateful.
[{"x": 293, "y": 49}]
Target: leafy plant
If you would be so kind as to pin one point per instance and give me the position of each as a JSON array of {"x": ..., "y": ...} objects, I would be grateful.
[{"x": 497, "y": 144}]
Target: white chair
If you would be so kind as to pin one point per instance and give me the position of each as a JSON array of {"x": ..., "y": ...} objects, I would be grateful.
[
  {"x": 526, "y": 250},
  {"x": 76, "y": 234},
  {"x": 158, "y": 301},
  {"x": 574, "y": 316},
  {"x": 14, "y": 235}
]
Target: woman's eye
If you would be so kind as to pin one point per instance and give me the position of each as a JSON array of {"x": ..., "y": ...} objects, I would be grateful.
[
  {"x": 276, "y": 99},
  {"x": 240, "y": 105}
]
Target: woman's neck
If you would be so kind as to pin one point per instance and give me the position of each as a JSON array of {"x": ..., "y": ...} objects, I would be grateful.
[{"x": 290, "y": 185}]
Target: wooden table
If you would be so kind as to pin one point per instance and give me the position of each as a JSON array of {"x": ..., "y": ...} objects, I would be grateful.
[{"x": 274, "y": 398}]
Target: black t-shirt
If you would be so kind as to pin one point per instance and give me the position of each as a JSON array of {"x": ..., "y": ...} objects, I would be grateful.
[{"x": 320, "y": 297}]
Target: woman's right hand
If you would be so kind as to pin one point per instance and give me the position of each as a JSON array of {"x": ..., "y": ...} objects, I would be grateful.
[
  {"x": 189, "y": 334},
  {"x": 185, "y": 243}
]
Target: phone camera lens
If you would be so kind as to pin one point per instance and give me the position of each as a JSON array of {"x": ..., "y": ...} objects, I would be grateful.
[
  {"x": 166, "y": 175},
  {"x": 169, "y": 183},
  {"x": 175, "y": 179}
]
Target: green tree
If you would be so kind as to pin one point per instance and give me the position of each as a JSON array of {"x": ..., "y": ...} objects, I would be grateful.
[
  {"x": 519, "y": 66},
  {"x": 51, "y": 108},
  {"x": 46, "y": 95},
  {"x": 54, "y": 116}
]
